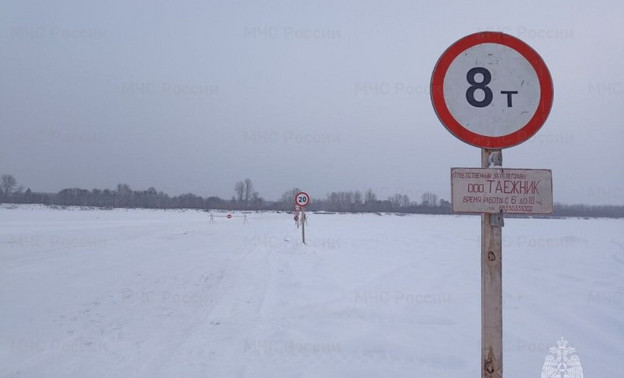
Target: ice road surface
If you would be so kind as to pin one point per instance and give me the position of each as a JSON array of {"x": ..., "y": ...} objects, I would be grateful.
[{"x": 151, "y": 293}]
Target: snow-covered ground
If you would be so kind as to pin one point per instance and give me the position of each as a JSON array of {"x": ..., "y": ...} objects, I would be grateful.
[{"x": 140, "y": 293}]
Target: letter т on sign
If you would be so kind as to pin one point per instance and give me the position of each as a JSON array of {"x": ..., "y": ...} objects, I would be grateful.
[{"x": 491, "y": 90}]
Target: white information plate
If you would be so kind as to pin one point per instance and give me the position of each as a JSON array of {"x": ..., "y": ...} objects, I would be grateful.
[{"x": 492, "y": 190}]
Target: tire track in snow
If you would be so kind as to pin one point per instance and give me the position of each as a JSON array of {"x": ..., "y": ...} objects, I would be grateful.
[
  {"x": 179, "y": 330},
  {"x": 236, "y": 301}
]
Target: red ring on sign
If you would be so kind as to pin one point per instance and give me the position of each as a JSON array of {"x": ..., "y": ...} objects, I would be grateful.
[{"x": 533, "y": 125}]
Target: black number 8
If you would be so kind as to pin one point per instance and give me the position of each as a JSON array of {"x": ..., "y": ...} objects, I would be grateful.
[{"x": 487, "y": 77}]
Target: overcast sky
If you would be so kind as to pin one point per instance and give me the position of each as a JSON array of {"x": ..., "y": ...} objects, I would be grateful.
[{"x": 192, "y": 96}]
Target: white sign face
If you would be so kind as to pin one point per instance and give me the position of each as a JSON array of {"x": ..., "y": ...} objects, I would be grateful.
[
  {"x": 495, "y": 190},
  {"x": 492, "y": 90}
]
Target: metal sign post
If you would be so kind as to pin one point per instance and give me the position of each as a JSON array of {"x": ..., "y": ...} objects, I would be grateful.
[{"x": 493, "y": 91}]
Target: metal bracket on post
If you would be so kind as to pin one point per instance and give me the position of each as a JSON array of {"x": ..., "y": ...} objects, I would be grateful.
[
  {"x": 496, "y": 159},
  {"x": 497, "y": 220}
]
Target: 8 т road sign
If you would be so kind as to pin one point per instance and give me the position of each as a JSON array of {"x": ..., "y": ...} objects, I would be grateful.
[{"x": 491, "y": 90}]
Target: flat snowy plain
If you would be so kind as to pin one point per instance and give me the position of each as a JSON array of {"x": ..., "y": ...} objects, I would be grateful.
[{"x": 150, "y": 293}]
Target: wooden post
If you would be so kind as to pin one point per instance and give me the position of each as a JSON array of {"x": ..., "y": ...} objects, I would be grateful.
[{"x": 491, "y": 288}]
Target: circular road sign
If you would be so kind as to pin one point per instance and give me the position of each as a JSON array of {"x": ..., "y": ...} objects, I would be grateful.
[
  {"x": 491, "y": 90},
  {"x": 302, "y": 199}
]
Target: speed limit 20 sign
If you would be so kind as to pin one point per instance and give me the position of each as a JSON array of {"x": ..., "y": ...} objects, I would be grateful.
[
  {"x": 491, "y": 90},
  {"x": 302, "y": 199}
]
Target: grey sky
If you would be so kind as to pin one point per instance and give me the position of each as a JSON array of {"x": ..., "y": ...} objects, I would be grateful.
[{"x": 193, "y": 96}]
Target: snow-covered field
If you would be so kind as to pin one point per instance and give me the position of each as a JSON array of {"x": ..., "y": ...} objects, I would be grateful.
[{"x": 140, "y": 293}]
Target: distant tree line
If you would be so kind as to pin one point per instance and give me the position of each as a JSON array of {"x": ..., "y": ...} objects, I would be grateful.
[
  {"x": 246, "y": 198},
  {"x": 358, "y": 202},
  {"x": 604, "y": 211}
]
